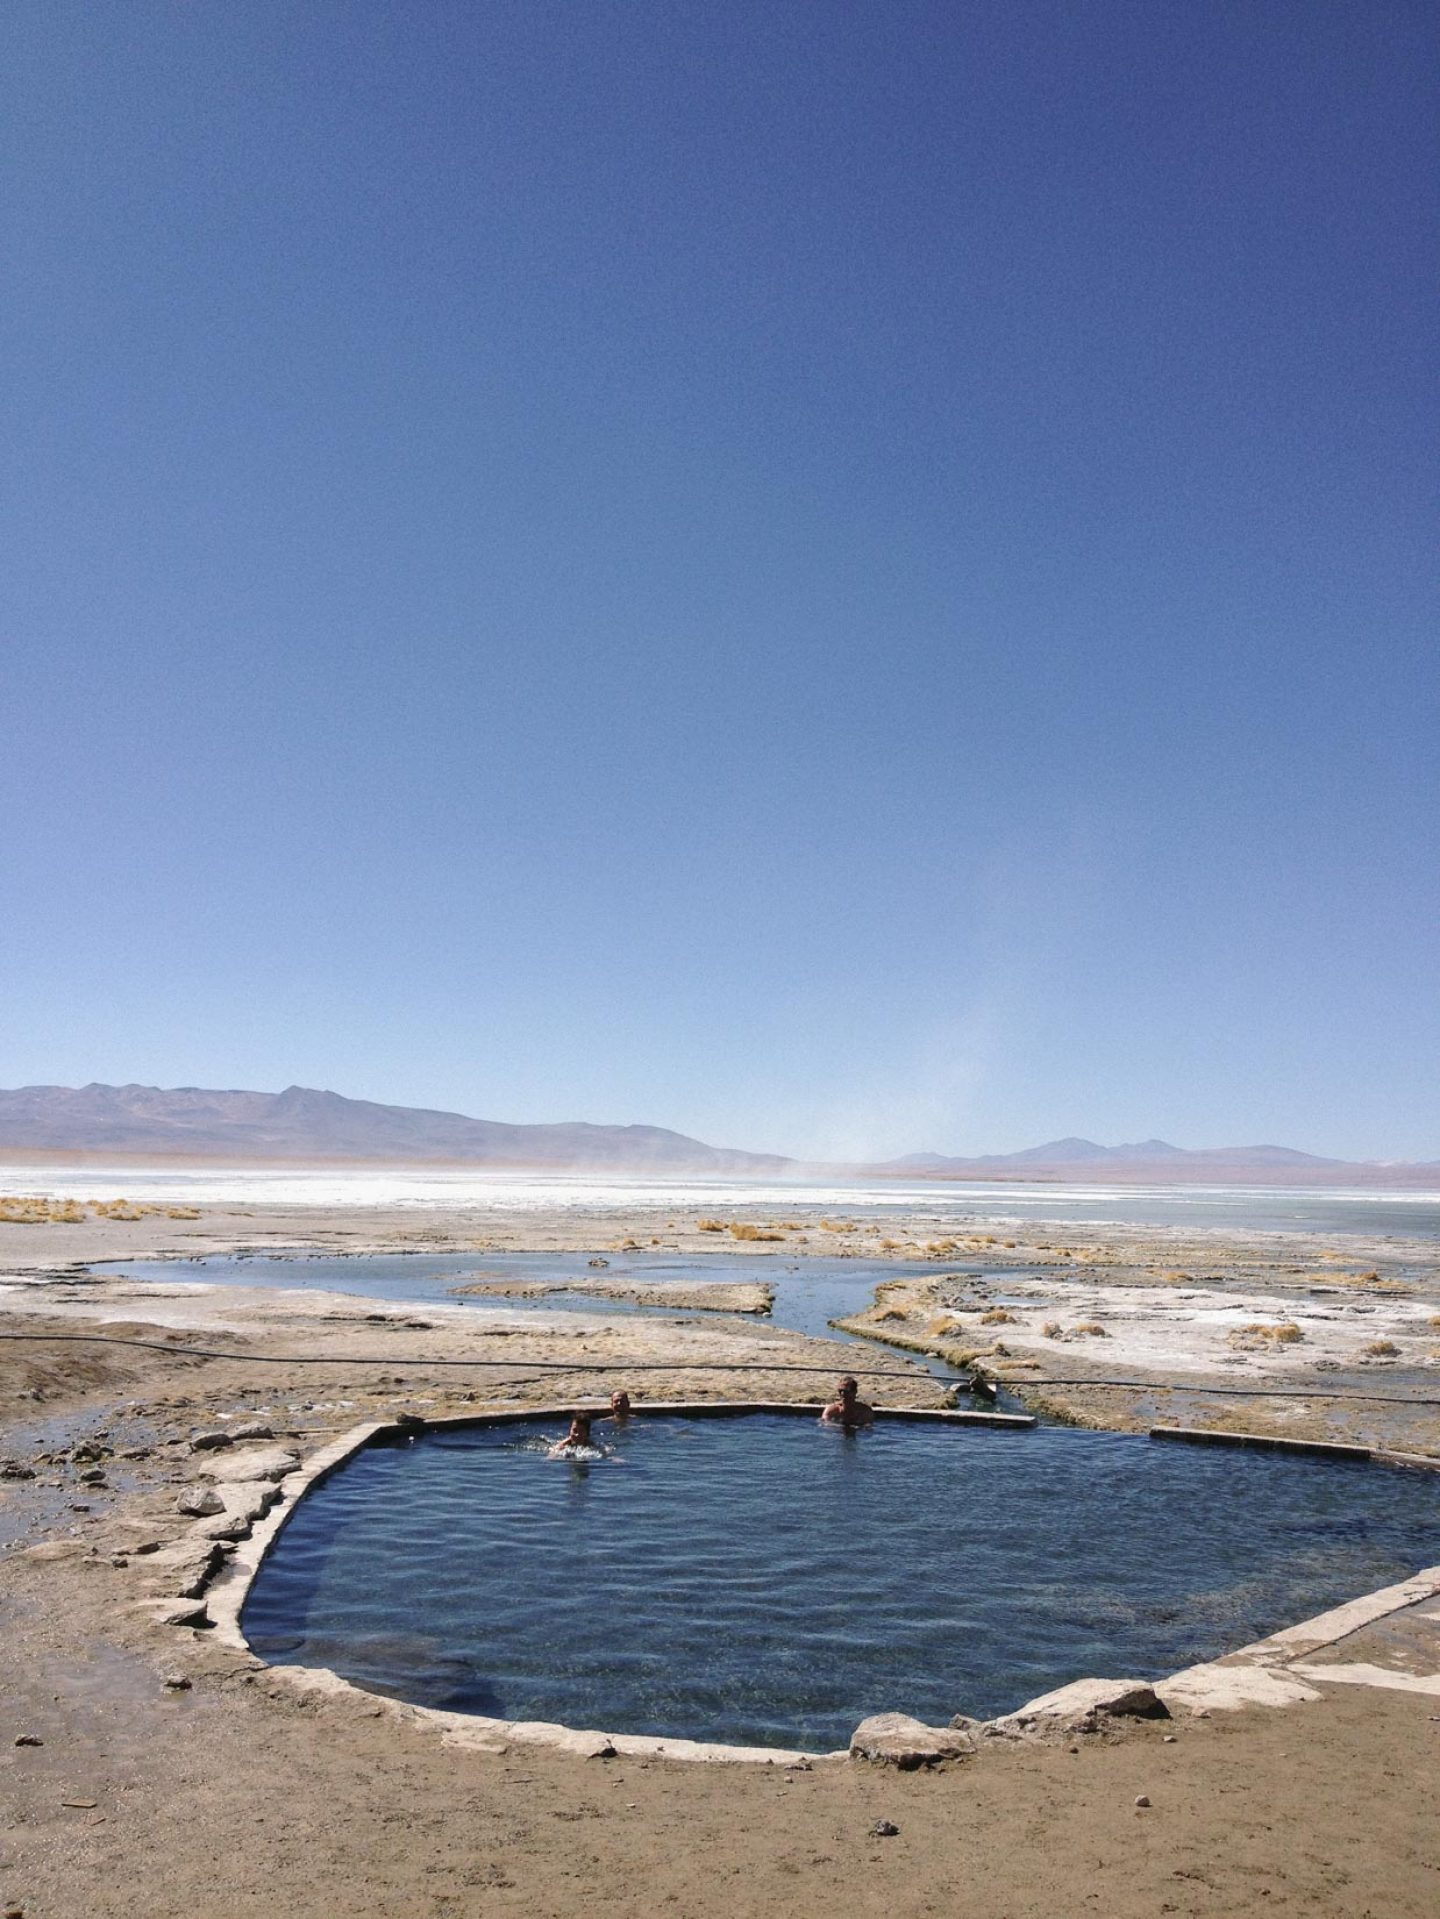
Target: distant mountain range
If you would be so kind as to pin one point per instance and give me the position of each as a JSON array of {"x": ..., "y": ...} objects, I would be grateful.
[
  {"x": 304, "y": 1124},
  {"x": 1149, "y": 1162},
  {"x": 301, "y": 1123}
]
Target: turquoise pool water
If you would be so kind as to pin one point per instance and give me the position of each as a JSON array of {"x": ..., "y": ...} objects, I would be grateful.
[{"x": 763, "y": 1580}]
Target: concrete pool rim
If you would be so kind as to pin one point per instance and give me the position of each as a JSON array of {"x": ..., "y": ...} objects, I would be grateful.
[{"x": 1249, "y": 1675}]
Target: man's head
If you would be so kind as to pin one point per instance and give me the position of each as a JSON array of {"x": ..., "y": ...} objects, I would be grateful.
[{"x": 848, "y": 1388}]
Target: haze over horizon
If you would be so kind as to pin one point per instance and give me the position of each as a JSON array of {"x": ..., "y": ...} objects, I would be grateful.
[{"x": 845, "y": 582}]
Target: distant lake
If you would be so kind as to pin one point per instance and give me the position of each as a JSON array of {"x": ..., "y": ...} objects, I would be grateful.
[{"x": 943, "y": 1204}]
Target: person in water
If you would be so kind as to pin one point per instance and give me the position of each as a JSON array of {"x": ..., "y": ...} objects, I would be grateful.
[
  {"x": 849, "y": 1410},
  {"x": 620, "y": 1405},
  {"x": 578, "y": 1435}
]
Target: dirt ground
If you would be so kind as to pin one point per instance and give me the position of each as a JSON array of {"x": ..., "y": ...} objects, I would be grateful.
[{"x": 233, "y": 1793}]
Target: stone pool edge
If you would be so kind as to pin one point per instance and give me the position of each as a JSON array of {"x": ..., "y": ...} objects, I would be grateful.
[{"x": 1253, "y": 1675}]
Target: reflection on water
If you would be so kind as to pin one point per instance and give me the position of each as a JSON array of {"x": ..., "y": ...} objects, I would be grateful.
[{"x": 765, "y": 1581}]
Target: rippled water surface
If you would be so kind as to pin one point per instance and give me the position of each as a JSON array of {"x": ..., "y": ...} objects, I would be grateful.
[{"x": 766, "y": 1581}]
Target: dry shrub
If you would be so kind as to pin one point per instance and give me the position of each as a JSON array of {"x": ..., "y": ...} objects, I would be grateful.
[
  {"x": 741, "y": 1229},
  {"x": 891, "y": 1312},
  {"x": 1381, "y": 1349},
  {"x": 1092, "y": 1329},
  {"x": 998, "y": 1316},
  {"x": 1052, "y": 1329},
  {"x": 709, "y": 1225}
]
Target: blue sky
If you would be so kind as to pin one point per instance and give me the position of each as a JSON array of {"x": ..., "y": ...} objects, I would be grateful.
[{"x": 843, "y": 577}]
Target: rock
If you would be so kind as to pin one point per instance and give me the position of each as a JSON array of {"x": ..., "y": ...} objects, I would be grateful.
[
  {"x": 201, "y": 1502},
  {"x": 1080, "y": 1707},
  {"x": 251, "y": 1429},
  {"x": 187, "y": 1566},
  {"x": 598, "y": 1263},
  {"x": 1142, "y": 1799},
  {"x": 15, "y": 1469},
  {"x": 884, "y": 1829},
  {"x": 894, "y": 1739},
  {"x": 254, "y": 1462},
  {"x": 28, "y": 1739},
  {"x": 251, "y": 1498},
  {"x": 210, "y": 1442},
  {"x": 180, "y": 1612},
  {"x": 176, "y": 1682},
  {"x": 225, "y": 1527},
  {"x": 93, "y": 1476},
  {"x": 408, "y": 1422}
]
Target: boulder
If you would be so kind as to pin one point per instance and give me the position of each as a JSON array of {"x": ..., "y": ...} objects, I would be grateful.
[
  {"x": 251, "y": 1429},
  {"x": 210, "y": 1442},
  {"x": 200, "y": 1502},
  {"x": 894, "y": 1739}
]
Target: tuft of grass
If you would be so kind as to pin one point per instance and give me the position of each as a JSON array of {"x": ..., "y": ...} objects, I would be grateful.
[
  {"x": 1285, "y": 1334},
  {"x": 1092, "y": 1329},
  {"x": 1052, "y": 1329},
  {"x": 998, "y": 1316},
  {"x": 742, "y": 1229},
  {"x": 1381, "y": 1349},
  {"x": 709, "y": 1225}
]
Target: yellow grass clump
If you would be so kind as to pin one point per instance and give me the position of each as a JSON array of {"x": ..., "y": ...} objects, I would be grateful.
[
  {"x": 998, "y": 1316},
  {"x": 742, "y": 1229},
  {"x": 1092, "y": 1329},
  {"x": 1381, "y": 1349},
  {"x": 709, "y": 1225},
  {"x": 1286, "y": 1334},
  {"x": 17, "y": 1210},
  {"x": 1052, "y": 1329}
]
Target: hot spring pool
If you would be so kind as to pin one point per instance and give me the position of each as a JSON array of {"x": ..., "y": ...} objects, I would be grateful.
[{"x": 760, "y": 1580}]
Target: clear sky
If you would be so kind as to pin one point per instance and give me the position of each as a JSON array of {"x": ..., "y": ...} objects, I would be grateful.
[{"x": 842, "y": 575}]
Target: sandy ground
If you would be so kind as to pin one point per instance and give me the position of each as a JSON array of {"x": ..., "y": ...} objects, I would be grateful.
[{"x": 236, "y": 1794}]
